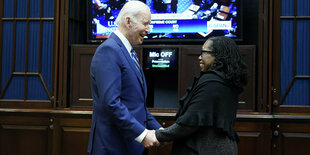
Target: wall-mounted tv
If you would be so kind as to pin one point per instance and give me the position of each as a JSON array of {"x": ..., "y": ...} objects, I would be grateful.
[
  {"x": 160, "y": 59},
  {"x": 172, "y": 20}
]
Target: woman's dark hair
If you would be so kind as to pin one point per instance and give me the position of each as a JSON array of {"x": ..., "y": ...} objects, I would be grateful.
[{"x": 229, "y": 61}]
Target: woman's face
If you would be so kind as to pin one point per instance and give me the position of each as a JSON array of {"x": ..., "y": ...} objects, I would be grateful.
[{"x": 206, "y": 58}]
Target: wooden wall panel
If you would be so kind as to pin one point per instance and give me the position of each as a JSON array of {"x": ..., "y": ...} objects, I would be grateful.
[
  {"x": 249, "y": 142},
  {"x": 163, "y": 149},
  {"x": 80, "y": 78},
  {"x": 298, "y": 141},
  {"x": 291, "y": 137},
  {"x": 71, "y": 136},
  {"x": 255, "y": 136},
  {"x": 24, "y": 135},
  {"x": 62, "y": 132},
  {"x": 188, "y": 68},
  {"x": 247, "y": 98},
  {"x": 74, "y": 140},
  {"x": 20, "y": 140}
]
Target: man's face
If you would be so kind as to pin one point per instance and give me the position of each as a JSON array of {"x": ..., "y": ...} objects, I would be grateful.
[{"x": 139, "y": 27}]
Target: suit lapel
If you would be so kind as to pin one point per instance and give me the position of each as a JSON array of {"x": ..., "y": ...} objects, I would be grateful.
[
  {"x": 144, "y": 85},
  {"x": 131, "y": 63}
]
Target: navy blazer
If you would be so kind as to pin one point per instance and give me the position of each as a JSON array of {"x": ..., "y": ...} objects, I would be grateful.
[{"x": 119, "y": 95}]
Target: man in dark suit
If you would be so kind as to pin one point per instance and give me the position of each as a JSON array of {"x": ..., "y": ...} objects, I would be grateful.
[{"x": 120, "y": 120}]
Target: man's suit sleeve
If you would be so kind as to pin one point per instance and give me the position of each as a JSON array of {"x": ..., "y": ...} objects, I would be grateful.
[
  {"x": 152, "y": 123},
  {"x": 106, "y": 70}
]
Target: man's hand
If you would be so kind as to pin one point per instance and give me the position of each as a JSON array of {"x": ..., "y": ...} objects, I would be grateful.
[{"x": 150, "y": 139}]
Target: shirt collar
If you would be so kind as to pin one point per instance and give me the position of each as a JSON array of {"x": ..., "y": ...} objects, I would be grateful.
[{"x": 124, "y": 40}]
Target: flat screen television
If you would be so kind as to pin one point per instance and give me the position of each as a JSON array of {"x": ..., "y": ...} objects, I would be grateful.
[
  {"x": 172, "y": 20},
  {"x": 160, "y": 59}
]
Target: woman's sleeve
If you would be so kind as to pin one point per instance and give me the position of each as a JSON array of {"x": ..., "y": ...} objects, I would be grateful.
[{"x": 174, "y": 132}]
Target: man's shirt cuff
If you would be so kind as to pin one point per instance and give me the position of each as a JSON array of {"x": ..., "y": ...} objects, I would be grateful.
[{"x": 141, "y": 136}]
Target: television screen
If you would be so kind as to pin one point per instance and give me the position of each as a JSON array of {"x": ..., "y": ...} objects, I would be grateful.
[
  {"x": 171, "y": 19},
  {"x": 159, "y": 59}
]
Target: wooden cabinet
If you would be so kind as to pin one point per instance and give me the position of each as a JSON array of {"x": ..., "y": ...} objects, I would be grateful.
[
  {"x": 291, "y": 135},
  {"x": 254, "y": 133},
  {"x": 24, "y": 134},
  {"x": 44, "y": 132},
  {"x": 62, "y": 132},
  {"x": 70, "y": 135}
]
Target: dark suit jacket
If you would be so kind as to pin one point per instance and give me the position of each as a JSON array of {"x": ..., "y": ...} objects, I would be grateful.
[{"x": 119, "y": 95}]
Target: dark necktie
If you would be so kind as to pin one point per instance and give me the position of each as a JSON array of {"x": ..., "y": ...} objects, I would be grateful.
[{"x": 136, "y": 61}]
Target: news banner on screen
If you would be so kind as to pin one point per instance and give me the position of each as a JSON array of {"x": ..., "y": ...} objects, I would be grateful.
[
  {"x": 160, "y": 59},
  {"x": 189, "y": 19}
]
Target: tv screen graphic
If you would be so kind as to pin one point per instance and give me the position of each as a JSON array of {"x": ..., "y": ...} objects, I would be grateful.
[
  {"x": 159, "y": 59},
  {"x": 171, "y": 19}
]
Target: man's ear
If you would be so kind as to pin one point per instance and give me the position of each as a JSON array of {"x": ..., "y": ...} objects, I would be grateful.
[{"x": 128, "y": 21}]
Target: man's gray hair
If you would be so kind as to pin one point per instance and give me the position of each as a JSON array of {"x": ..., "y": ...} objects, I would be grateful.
[{"x": 130, "y": 9}]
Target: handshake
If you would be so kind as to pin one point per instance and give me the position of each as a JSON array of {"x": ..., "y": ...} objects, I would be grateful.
[{"x": 150, "y": 139}]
